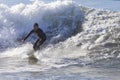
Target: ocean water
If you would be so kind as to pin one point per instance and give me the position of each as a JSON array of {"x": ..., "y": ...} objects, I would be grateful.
[
  {"x": 112, "y": 5},
  {"x": 82, "y": 42}
]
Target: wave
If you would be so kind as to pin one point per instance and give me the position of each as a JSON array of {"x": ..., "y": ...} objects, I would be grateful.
[{"x": 75, "y": 34}]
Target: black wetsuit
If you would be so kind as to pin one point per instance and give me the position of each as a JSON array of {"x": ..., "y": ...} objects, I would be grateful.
[{"x": 40, "y": 41}]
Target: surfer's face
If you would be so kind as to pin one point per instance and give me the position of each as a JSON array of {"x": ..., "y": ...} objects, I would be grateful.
[{"x": 35, "y": 27}]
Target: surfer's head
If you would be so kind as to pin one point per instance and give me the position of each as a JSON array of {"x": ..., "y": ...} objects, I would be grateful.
[{"x": 36, "y": 26}]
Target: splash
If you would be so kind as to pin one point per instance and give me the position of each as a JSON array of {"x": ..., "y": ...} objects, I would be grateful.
[{"x": 75, "y": 34}]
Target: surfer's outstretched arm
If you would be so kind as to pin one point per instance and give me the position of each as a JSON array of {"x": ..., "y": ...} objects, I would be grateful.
[{"x": 28, "y": 35}]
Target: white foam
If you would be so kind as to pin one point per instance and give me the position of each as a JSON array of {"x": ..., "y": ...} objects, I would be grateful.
[
  {"x": 62, "y": 21},
  {"x": 21, "y": 52}
]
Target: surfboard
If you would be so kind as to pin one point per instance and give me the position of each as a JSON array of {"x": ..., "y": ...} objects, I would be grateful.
[{"x": 32, "y": 58}]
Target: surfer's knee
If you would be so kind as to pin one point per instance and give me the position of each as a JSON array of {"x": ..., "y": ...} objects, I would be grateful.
[{"x": 34, "y": 47}]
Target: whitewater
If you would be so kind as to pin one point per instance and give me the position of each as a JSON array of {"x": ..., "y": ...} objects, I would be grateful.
[{"x": 82, "y": 43}]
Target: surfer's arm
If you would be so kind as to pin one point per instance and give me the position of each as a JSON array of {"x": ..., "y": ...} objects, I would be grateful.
[{"x": 28, "y": 35}]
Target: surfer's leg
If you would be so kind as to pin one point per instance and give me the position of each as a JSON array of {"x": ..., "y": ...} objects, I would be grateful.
[
  {"x": 38, "y": 43},
  {"x": 35, "y": 45},
  {"x": 41, "y": 41}
]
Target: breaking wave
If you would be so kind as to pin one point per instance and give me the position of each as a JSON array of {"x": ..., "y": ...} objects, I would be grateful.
[{"x": 76, "y": 35}]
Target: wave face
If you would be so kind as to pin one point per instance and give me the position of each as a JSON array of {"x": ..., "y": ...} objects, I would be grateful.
[{"x": 76, "y": 35}]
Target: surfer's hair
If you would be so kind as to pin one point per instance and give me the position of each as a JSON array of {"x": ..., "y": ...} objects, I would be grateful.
[{"x": 36, "y": 24}]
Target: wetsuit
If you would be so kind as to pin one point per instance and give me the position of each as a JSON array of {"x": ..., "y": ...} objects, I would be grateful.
[{"x": 40, "y": 41}]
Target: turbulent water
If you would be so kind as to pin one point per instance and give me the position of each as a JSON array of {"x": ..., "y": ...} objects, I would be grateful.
[{"x": 82, "y": 43}]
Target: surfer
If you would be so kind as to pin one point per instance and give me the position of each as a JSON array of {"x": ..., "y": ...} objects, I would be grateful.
[{"x": 39, "y": 32}]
